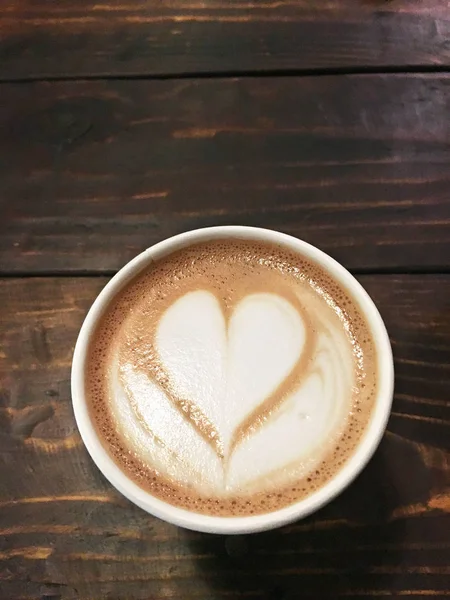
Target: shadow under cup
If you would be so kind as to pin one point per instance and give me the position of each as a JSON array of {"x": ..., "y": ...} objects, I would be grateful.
[{"x": 254, "y": 523}]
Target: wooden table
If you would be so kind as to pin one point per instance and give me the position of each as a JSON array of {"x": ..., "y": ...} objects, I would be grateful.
[{"x": 122, "y": 124}]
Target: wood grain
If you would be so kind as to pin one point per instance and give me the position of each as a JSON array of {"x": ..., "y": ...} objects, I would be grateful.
[
  {"x": 86, "y": 37},
  {"x": 65, "y": 534},
  {"x": 94, "y": 172}
]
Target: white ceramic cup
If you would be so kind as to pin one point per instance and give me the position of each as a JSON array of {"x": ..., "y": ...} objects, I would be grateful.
[{"x": 220, "y": 524}]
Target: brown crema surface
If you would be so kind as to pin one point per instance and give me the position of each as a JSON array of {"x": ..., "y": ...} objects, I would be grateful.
[{"x": 231, "y": 269}]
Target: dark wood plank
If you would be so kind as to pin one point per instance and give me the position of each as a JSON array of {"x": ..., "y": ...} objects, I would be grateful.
[
  {"x": 94, "y": 172},
  {"x": 86, "y": 37},
  {"x": 65, "y": 534}
]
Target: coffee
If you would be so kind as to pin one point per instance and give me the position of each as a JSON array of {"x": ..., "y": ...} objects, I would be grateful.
[{"x": 231, "y": 377}]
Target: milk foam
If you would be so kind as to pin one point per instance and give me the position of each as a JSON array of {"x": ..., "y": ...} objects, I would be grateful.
[
  {"x": 228, "y": 372},
  {"x": 228, "y": 380}
]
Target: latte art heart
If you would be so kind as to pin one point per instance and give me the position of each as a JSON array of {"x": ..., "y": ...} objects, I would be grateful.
[
  {"x": 232, "y": 370},
  {"x": 233, "y": 375}
]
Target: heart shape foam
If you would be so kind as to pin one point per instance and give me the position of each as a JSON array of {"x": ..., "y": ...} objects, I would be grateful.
[
  {"x": 241, "y": 372},
  {"x": 230, "y": 369}
]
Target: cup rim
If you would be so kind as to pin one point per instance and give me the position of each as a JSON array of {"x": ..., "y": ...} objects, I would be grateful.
[{"x": 245, "y": 524}]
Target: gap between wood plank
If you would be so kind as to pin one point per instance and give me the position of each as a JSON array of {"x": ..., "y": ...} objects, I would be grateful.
[{"x": 313, "y": 72}]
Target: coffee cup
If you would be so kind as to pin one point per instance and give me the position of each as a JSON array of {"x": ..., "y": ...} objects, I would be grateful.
[{"x": 219, "y": 523}]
